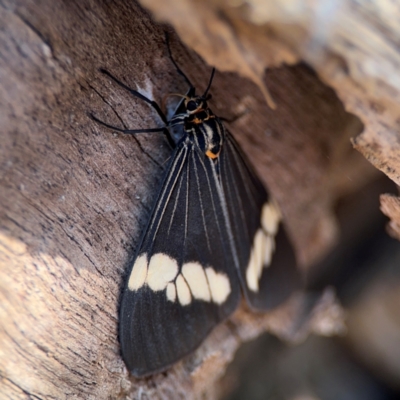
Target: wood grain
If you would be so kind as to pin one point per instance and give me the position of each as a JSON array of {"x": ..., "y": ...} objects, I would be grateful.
[{"x": 75, "y": 197}]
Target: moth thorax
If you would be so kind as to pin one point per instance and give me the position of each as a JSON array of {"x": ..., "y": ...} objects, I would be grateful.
[{"x": 211, "y": 137}]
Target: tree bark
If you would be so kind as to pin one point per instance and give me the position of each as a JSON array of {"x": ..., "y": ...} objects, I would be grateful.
[{"x": 75, "y": 197}]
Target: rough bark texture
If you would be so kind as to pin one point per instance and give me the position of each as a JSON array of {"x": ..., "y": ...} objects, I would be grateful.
[{"x": 74, "y": 197}]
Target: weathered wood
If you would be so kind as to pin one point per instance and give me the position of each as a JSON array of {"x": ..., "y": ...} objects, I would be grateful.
[{"x": 74, "y": 197}]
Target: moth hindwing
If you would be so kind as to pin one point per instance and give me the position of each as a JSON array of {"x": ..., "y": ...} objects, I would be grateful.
[{"x": 212, "y": 232}]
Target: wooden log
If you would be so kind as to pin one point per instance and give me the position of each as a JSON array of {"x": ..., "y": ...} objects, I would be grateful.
[{"x": 75, "y": 198}]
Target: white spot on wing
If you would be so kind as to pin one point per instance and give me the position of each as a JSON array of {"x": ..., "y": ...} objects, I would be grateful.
[
  {"x": 268, "y": 250},
  {"x": 139, "y": 272},
  {"x": 263, "y": 244},
  {"x": 184, "y": 296},
  {"x": 270, "y": 218},
  {"x": 162, "y": 270},
  {"x": 258, "y": 246},
  {"x": 219, "y": 285},
  {"x": 193, "y": 282},
  {"x": 251, "y": 274},
  {"x": 195, "y": 276},
  {"x": 260, "y": 256},
  {"x": 171, "y": 292},
  {"x": 254, "y": 268}
]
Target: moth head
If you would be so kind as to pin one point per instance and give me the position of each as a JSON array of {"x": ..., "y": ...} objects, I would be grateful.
[{"x": 195, "y": 104}]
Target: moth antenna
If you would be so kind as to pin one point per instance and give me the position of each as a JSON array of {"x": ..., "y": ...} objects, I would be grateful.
[
  {"x": 180, "y": 72},
  {"x": 209, "y": 83},
  {"x": 137, "y": 94}
]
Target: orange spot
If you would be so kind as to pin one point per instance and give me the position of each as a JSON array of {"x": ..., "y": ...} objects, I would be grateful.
[{"x": 211, "y": 155}]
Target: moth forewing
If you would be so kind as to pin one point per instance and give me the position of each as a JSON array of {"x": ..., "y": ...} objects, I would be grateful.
[{"x": 187, "y": 245}]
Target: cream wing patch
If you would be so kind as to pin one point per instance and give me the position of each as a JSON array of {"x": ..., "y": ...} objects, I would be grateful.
[
  {"x": 270, "y": 218},
  {"x": 195, "y": 282},
  {"x": 269, "y": 250},
  {"x": 184, "y": 295},
  {"x": 139, "y": 273},
  {"x": 219, "y": 285},
  {"x": 251, "y": 274},
  {"x": 254, "y": 268},
  {"x": 263, "y": 245},
  {"x": 162, "y": 270},
  {"x": 195, "y": 276},
  {"x": 259, "y": 247},
  {"x": 171, "y": 292}
]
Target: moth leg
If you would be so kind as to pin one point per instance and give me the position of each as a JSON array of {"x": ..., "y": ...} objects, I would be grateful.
[
  {"x": 137, "y": 94},
  {"x": 125, "y": 131}
]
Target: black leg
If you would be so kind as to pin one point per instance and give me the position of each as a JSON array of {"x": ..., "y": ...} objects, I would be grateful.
[
  {"x": 126, "y": 131},
  {"x": 137, "y": 94}
]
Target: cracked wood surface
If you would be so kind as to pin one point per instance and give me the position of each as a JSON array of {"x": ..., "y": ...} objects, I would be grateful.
[{"x": 74, "y": 196}]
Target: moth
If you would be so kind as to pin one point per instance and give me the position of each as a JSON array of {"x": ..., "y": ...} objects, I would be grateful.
[{"x": 214, "y": 233}]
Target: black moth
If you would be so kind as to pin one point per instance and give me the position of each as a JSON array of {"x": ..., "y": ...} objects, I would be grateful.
[{"x": 214, "y": 231}]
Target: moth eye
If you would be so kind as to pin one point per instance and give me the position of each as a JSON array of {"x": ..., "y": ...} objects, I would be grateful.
[{"x": 191, "y": 105}]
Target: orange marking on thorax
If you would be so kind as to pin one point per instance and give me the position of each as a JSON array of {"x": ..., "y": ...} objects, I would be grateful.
[
  {"x": 200, "y": 121},
  {"x": 211, "y": 155}
]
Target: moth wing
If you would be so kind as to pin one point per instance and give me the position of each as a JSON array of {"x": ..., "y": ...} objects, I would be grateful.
[
  {"x": 183, "y": 281},
  {"x": 268, "y": 269}
]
